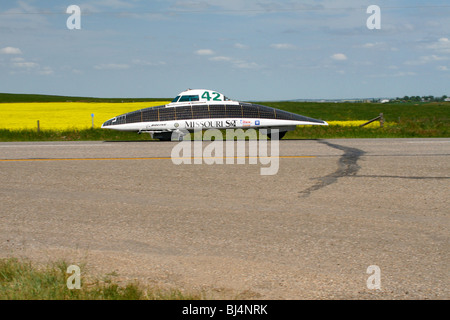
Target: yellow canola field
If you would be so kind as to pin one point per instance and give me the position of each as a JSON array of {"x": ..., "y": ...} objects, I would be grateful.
[
  {"x": 357, "y": 123},
  {"x": 77, "y": 115},
  {"x": 64, "y": 115}
]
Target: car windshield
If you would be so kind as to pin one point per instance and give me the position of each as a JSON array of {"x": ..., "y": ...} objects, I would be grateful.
[
  {"x": 176, "y": 99},
  {"x": 189, "y": 98}
]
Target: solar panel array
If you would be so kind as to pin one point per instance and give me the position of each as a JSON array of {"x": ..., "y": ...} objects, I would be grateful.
[{"x": 204, "y": 111}]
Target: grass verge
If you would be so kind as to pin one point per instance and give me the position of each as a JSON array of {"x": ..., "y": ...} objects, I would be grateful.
[
  {"x": 423, "y": 128},
  {"x": 70, "y": 135},
  {"x": 20, "y": 280}
]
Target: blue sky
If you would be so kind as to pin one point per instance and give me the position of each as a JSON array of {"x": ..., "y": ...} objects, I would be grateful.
[{"x": 248, "y": 50}]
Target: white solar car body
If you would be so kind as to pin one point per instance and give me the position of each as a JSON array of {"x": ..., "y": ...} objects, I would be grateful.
[{"x": 206, "y": 109}]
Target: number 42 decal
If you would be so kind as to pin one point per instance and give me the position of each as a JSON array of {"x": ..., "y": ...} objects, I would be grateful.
[{"x": 206, "y": 96}]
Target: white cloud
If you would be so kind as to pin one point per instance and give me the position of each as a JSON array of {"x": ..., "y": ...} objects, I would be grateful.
[
  {"x": 375, "y": 45},
  {"x": 23, "y": 16},
  {"x": 115, "y": 3},
  {"x": 112, "y": 66},
  {"x": 241, "y": 46},
  {"x": 97, "y": 6},
  {"x": 140, "y": 62},
  {"x": 246, "y": 65},
  {"x": 404, "y": 74},
  {"x": 282, "y": 46},
  {"x": 25, "y": 64},
  {"x": 370, "y": 45},
  {"x": 389, "y": 75},
  {"x": 10, "y": 50},
  {"x": 221, "y": 58},
  {"x": 20, "y": 65},
  {"x": 426, "y": 59},
  {"x": 443, "y": 68},
  {"x": 442, "y": 45},
  {"x": 339, "y": 57},
  {"x": 204, "y": 52},
  {"x": 242, "y": 7},
  {"x": 190, "y": 5},
  {"x": 46, "y": 71},
  {"x": 237, "y": 63}
]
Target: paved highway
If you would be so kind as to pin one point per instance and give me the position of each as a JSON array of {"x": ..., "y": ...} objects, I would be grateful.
[{"x": 310, "y": 231}]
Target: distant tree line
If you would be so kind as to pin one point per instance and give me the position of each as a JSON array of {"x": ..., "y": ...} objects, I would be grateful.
[{"x": 420, "y": 99}]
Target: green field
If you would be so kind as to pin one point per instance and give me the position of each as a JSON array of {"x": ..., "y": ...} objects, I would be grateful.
[
  {"x": 15, "y": 98},
  {"x": 405, "y": 120},
  {"x": 357, "y": 111}
]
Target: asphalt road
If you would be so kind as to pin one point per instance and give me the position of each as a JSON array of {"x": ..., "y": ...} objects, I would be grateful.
[{"x": 310, "y": 231}]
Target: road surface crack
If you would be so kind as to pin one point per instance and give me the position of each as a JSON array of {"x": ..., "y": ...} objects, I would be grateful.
[{"x": 347, "y": 166}]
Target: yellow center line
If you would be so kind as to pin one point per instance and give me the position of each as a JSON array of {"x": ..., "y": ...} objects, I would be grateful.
[{"x": 149, "y": 158}]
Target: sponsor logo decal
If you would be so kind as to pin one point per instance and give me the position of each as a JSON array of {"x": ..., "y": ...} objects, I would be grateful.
[{"x": 211, "y": 124}]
